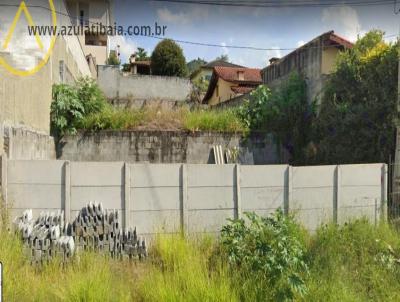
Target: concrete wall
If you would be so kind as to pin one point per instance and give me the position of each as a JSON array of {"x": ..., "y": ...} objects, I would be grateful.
[
  {"x": 25, "y": 101},
  {"x": 117, "y": 85},
  {"x": 167, "y": 147},
  {"x": 198, "y": 198},
  {"x": 22, "y": 143}
]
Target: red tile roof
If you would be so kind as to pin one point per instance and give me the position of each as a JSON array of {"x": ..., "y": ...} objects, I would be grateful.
[
  {"x": 246, "y": 78},
  {"x": 231, "y": 74}
]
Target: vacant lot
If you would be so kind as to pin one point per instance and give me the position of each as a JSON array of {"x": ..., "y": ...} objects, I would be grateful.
[{"x": 262, "y": 260}]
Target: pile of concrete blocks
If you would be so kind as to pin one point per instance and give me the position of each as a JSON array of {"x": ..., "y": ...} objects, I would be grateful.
[
  {"x": 93, "y": 229},
  {"x": 46, "y": 237},
  {"x": 100, "y": 230}
]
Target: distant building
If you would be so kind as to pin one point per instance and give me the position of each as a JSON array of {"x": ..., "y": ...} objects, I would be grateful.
[
  {"x": 205, "y": 72},
  {"x": 227, "y": 83},
  {"x": 96, "y": 46},
  {"x": 139, "y": 67},
  {"x": 315, "y": 60}
]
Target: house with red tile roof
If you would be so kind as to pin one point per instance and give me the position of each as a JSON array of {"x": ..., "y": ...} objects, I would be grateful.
[
  {"x": 230, "y": 82},
  {"x": 315, "y": 60}
]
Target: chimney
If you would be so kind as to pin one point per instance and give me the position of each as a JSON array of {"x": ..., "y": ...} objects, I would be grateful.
[
  {"x": 273, "y": 61},
  {"x": 132, "y": 58}
]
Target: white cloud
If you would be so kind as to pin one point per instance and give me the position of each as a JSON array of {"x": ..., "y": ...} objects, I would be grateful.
[
  {"x": 126, "y": 47},
  {"x": 181, "y": 17},
  {"x": 225, "y": 49},
  {"x": 344, "y": 20},
  {"x": 23, "y": 51},
  {"x": 300, "y": 43}
]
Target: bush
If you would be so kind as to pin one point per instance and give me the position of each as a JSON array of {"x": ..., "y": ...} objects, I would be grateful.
[
  {"x": 72, "y": 103},
  {"x": 167, "y": 59},
  {"x": 268, "y": 254},
  {"x": 66, "y": 110}
]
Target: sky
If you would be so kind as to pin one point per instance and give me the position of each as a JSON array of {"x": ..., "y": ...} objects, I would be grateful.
[{"x": 273, "y": 28}]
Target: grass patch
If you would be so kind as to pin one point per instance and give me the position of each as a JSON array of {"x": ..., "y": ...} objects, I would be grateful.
[
  {"x": 182, "y": 272},
  {"x": 155, "y": 119},
  {"x": 354, "y": 262}
]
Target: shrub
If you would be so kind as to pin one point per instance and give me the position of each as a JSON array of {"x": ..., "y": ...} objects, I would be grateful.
[
  {"x": 268, "y": 253},
  {"x": 66, "y": 109},
  {"x": 167, "y": 59},
  {"x": 72, "y": 103},
  {"x": 286, "y": 113}
]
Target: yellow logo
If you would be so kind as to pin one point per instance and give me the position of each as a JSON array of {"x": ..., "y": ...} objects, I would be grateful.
[{"x": 23, "y": 9}]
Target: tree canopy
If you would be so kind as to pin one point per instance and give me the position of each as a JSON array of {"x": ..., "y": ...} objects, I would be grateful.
[
  {"x": 167, "y": 59},
  {"x": 358, "y": 113}
]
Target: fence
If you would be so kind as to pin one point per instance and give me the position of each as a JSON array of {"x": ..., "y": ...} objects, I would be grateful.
[{"x": 197, "y": 198}]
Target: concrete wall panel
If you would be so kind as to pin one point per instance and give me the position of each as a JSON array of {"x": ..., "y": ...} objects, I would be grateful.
[{"x": 148, "y": 222}]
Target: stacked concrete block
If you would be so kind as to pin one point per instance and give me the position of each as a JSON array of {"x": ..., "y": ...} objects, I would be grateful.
[
  {"x": 45, "y": 237},
  {"x": 99, "y": 230},
  {"x": 94, "y": 229}
]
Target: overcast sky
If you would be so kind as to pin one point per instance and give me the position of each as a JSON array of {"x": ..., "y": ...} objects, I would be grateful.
[{"x": 257, "y": 27}]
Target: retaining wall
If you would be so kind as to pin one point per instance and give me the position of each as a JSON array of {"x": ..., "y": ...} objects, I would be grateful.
[
  {"x": 197, "y": 198},
  {"x": 167, "y": 147}
]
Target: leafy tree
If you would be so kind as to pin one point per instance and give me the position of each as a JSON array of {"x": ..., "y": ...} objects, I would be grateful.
[
  {"x": 141, "y": 55},
  {"x": 167, "y": 59},
  {"x": 286, "y": 113},
  {"x": 113, "y": 59},
  {"x": 199, "y": 90},
  {"x": 357, "y": 117},
  {"x": 126, "y": 67},
  {"x": 194, "y": 65},
  {"x": 224, "y": 58}
]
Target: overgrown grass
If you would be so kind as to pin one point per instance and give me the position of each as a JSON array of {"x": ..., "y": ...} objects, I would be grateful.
[
  {"x": 355, "y": 262},
  {"x": 182, "y": 272},
  {"x": 158, "y": 119}
]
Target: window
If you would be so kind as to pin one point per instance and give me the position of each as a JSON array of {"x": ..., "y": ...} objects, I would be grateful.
[
  {"x": 217, "y": 91},
  {"x": 240, "y": 75},
  {"x": 81, "y": 17}
]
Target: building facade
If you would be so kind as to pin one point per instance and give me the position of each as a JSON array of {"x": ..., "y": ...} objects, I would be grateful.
[
  {"x": 25, "y": 101},
  {"x": 315, "y": 60},
  {"x": 227, "y": 83},
  {"x": 93, "y": 14}
]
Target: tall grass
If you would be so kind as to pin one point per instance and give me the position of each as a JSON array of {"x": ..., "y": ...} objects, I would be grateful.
[
  {"x": 354, "y": 262},
  {"x": 156, "y": 119},
  {"x": 182, "y": 272}
]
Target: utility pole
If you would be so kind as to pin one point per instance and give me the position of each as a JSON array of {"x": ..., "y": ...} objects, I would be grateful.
[{"x": 396, "y": 169}]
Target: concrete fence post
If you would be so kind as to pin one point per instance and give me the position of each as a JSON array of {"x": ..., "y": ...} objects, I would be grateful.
[
  {"x": 184, "y": 223},
  {"x": 238, "y": 198},
  {"x": 127, "y": 195},
  {"x": 3, "y": 178},
  {"x": 384, "y": 193},
  {"x": 337, "y": 195},
  {"x": 67, "y": 191},
  {"x": 289, "y": 189}
]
